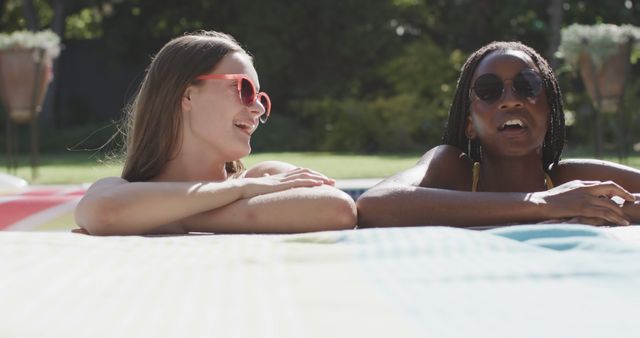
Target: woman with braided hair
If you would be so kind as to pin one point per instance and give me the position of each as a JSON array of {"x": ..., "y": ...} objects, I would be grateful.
[{"x": 500, "y": 161}]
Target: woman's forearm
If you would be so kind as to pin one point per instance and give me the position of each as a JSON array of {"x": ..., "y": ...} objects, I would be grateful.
[
  {"x": 294, "y": 210},
  {"x": 113, "y": 206},
  {"x": 138, "y": 208},
  {"x": 414, "y": 206}
]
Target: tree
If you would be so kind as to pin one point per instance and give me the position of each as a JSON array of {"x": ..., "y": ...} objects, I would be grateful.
[{"x": 555, "y": 15}]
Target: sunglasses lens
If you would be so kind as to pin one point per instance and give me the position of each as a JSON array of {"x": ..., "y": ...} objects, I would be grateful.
[
  {"x": 247, "y": 93},
  {"x": 488, "y": 87},
  {"x": 527, "y": 84},
  {"x": 249, "y": 96}
]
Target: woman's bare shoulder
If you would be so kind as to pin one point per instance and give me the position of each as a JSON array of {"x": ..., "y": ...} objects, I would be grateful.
[
  {"x": 107, "y": 182},
  {"x": 447, "y": 167},
  {"x": 594, "y": 170},
  {"x": 445, "y": 152}
]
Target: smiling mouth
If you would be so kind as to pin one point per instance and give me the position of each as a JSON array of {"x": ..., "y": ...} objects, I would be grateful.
[
  {"x": 512, "y": 125},
  {"x": 247, "y": 127}
]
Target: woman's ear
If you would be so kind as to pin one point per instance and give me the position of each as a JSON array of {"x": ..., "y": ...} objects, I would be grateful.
[
  {"x": 470, "y": 131},
  {"x": 185, "y": 103}
]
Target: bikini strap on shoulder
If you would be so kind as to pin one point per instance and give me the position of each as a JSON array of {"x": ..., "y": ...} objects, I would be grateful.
[{"x": 476, "y": 176}]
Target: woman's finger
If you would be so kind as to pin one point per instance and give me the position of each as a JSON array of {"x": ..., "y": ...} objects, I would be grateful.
[
  {"x": 306, "y": 175},
  {"x": 611, "y": 189},
  {"x": 80, "y": 231},
  {"x": 308, "y": 171},
  {"x": 301, "y": 182},
  {"x": 606, "y": 203},
  {"x": 587, "y": 220},
  {"x": 606, "y": 214}
]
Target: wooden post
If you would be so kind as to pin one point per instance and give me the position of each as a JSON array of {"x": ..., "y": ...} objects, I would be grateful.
[
  {"x": 34, "y": 140},
  {"x": 24, "y": 79},
  {"x": 12, "y": 163}
]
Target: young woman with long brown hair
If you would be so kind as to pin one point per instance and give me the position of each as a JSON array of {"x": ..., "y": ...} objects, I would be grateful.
[{"x": 187, "y": 130}]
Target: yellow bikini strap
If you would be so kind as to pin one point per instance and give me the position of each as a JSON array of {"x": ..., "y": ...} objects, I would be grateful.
[
  {"x": 476, "y": 176},
  {"x": 548, "y": 181}
]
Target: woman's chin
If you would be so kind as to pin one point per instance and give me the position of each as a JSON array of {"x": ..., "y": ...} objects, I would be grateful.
[
  {"x": 247, "y": 151},
  {"x": 239, "y": 153}
]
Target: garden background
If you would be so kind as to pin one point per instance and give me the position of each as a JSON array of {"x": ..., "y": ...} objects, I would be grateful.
[{"x": 365, "y": 77}]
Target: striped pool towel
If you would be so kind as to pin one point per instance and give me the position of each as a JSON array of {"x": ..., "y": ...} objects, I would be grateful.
[
  {"x": 522, "y": 281},
  {"x": 40, "y": 208}
]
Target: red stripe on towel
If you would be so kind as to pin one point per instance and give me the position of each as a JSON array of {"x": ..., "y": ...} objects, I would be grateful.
[
  {"x": 40, "y": 192},
  {"x": 52, "y": 191},
  {"x": 16, "y": 210},
  {"x": 76, "y": 192}
]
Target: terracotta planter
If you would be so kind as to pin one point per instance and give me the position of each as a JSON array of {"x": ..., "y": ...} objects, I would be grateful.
[
  {"x": 24, "y": 77},
  {"x": 607, "y": 83}
]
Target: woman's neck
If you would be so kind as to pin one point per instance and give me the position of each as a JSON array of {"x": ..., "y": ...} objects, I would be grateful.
[
  {"x": 512, "y": 174},
  {"x": 177, "y": 170},
  {"x": 193, "y": 166}
]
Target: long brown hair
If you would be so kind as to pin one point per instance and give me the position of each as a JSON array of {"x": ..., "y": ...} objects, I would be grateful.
[{"x": 152, "y": 122}]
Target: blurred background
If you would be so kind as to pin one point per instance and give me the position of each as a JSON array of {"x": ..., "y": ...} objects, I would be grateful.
[{"x": 354, "y": 76}]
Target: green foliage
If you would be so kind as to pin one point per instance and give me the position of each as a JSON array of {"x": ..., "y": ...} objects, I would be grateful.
[
  {"x": 85, "y": 24},
  {"x": 410, "y": 117},
  {"x": 282, "y": 133},
  {"x": 580, "y": 135},
  {"x": 89, "y": 138},
  {"x": 470, "y": 24},
  {"x": 369, "y": 126},
  {"x": 355, "y": 75},
  {"x": 631, "y": 108},
  {"x": 12, "y": 18}
]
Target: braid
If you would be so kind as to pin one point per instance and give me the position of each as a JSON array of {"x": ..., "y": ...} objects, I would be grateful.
[
  {"x": 455, "y": 134},
  {"x": 554, "y": 139}
]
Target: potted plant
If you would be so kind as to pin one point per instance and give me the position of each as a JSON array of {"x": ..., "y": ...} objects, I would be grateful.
[
  {"x": 25, "y": 71},
  {"x": 602, "y": 54}
]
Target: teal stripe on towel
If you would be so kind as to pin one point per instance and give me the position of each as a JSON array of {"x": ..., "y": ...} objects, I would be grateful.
[{"x": 563, "y": 237}]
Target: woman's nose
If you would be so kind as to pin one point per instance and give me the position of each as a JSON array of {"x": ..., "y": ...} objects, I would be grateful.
[
  {"x": 509, "y": 98},
  {"x": 257, "y": 108}
]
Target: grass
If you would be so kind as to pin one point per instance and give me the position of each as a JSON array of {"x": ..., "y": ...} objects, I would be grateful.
[
  {"x": 66, "y": 168},
  {"x": 74, "y": 168},
  {"x": 343, "y": 165}
]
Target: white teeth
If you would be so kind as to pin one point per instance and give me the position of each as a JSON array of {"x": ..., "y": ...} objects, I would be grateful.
[
  {"x": 244, "y": 125},
  {"x": 514, "y": 122}
]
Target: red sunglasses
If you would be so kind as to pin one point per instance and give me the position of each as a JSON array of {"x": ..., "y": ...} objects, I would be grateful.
[{"x": 246, "y": 91}]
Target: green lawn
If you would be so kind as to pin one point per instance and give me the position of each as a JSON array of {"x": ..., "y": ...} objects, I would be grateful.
[{"x": 70, "y": 168}]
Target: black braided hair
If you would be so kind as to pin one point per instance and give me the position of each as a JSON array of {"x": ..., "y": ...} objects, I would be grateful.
[{"x": 458, "y": 113}]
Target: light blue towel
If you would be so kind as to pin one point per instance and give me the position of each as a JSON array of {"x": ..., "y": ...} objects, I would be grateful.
[
  {"x": 517, "y": 281},
  {"x": 564, "y": 237}
]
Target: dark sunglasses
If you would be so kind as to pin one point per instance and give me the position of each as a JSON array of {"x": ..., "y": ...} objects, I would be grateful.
[
  {"x": 490, "y": 87},
  {"x": 247, "y": 91}
]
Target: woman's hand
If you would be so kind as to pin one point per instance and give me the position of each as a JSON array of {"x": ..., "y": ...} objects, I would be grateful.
[
  {"x": 586, "y": 202},
  {"x": 81, "y": 231},
  {"x": 295, "y": 178}
]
